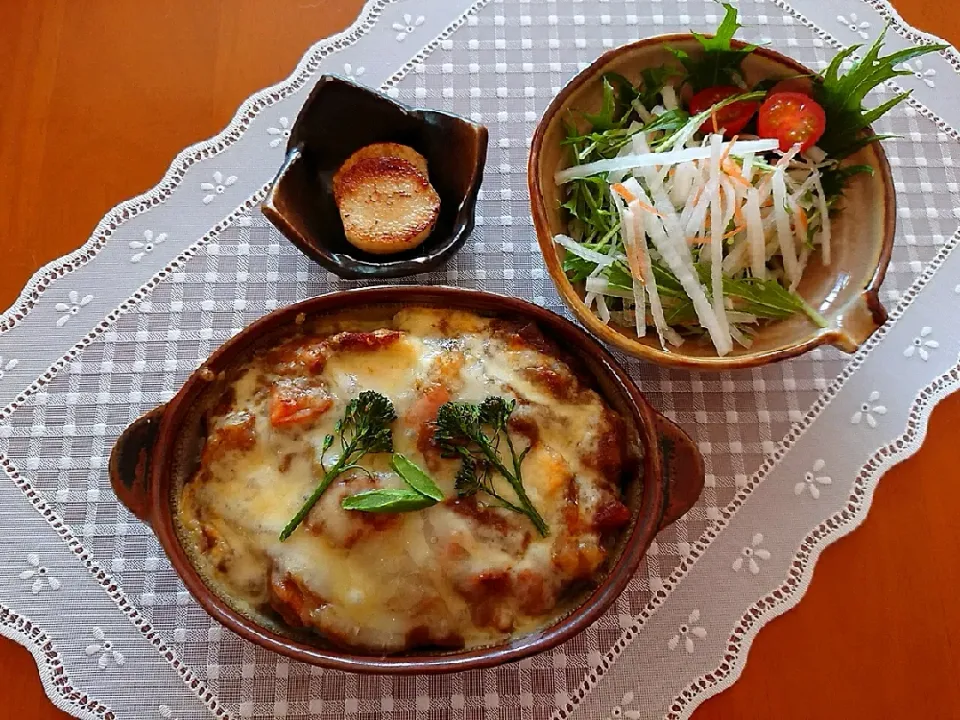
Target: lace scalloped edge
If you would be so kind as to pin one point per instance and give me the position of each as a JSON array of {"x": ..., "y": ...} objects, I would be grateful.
[
  {"x": 764, "y": 609},
  {"x": 186, "y": 158},
  {"x": 842, "y": 523},
  {"x": 113, "y": 589},
  {"x": 53, "y": 675},
  {"x": 264, "y": 98}
]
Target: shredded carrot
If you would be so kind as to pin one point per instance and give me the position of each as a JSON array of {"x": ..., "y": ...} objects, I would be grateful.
[
  {"x": 623, "y": 192},
  {"x": 697, "y": 240},
  {"x": 733, "y": 172},
  {"x": 738, "y": 215},
  {"x": 733, "y": 232},
  {"x": 802, "y": 219},
  {"x": 635, "y": 261},
  {"x": 726, "y": 151},
  {"x": 713, "y": 119},
  {"x": 649, "y": 209},
  {"x": 696, "y": 195},
  {"x": 768, "y": 202}
]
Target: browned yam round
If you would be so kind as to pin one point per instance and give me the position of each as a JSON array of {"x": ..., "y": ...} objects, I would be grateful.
[
  {"x": 386, "y": 205},
  {"x": 387, "y": 150}
]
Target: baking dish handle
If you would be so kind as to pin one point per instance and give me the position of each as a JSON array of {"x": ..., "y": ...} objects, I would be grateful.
[
  {"x": 130, "y": 463},
  {"x": 682, "y": 469}
]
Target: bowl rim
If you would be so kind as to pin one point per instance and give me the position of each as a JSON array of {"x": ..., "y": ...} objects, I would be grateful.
[
  {"x": 868, "y": 299},
  {"x": 387, "y": 267},
  {"x": 649, "y": 513}
]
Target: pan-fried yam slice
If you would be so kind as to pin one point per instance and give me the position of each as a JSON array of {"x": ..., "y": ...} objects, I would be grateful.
[
  {"x": 386, "y": 150},
  {"x": 386, "y": 205}
]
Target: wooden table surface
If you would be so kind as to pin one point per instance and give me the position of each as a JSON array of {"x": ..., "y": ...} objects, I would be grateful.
[{"x": 98, "y": 97}]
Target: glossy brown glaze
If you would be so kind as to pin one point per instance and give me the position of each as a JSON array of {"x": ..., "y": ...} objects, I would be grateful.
[
  {"x": 341, "y": 117},
  {"x": 142, "y": 474},
  {"x": 845, "y": 293}
]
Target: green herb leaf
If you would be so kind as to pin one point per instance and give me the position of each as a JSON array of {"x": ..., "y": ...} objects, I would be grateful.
[
  {"x": 474, "y": 433},
  {"x": 606, "y": 119},
  {"x": 841, "y": 94},
  {"x": 415, "y": 477},
  {"x": 720, "y": 63},
  {"x": 364, "y": 428},
  {"x": 834, "y": 179},
  {"x": 387, "y": 500},
  {"x": 652, "y": 82},
  {"x": 670, "y": 120}
]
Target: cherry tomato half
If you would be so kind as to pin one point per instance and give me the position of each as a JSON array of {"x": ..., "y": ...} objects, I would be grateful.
[
  {"x": 791, "y": 118},
  {"x": 732, "y": 118},
  {"x": 802, "y": 85}
]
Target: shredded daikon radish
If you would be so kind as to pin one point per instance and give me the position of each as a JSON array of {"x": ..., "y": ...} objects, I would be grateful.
[
  {"x": 717, "y": 227},
  {"x": 824, "y": 217},
  {"x": 571, "y": 245},
  {"x": 685, "y": 178},
  {"x": 657, "y": 159},
  {"x": 784, "y": 231},
  {"x": 802, "y": 262},
  {"x": 603, "y": 312},
  {"x": 664, "y": 331},
  {"x": 729, "y": 201},
  {"x": 747, "y": 169},
  {"x": 741, "y": 317},
  {"x": 677, "y": 257},
  {"x": 602, "y": 286},
  {"x": 645, "y": 115},
  {"x": 669, "y": 95},
  {"x": 696, "y": 192},
  {"x": 751, "y": 211},
  {"x": 628, "y": 228},
  {"x": 695, "y": 221},
  {"x": 618, "y": 175},
  {"x": 798, "y": 229},
  {"x": 744, "y": 340},
  {"x": 766, "y": 186}
]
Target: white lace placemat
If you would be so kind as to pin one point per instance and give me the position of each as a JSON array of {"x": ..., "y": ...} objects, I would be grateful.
[{"x": 111, "y": 331}]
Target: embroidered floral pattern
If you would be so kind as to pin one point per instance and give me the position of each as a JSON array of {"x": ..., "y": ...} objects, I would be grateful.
[
  {"x": 618, "y": 712},
  {"x": 869, "y": 411},
  {"x": 166, "y": 712},
  {"x": 750, "y": 554},
  {"x": 920, "y": 72},
  {"x": 217, "y": 187},
  {"x": 408, "y": 25},
  {"x": 41, "y": 577},
  {"x": 69, "y": 309},
  {"x": 855, "y": 24},
  {"x": 281, "y": 133},
  {"x": 812, "y": 481},
  {"x": 353, "y": 73},
  {"x": 105, "y": 649},
  {"x": 147, "y": 246},
  {"x": 6, "y": 365},
  {"x": 922, "y": 345},
  {"x": 687, "y": 632}
]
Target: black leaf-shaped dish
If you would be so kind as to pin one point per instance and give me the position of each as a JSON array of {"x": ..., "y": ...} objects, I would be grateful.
[{"x": 341, "y": 117}]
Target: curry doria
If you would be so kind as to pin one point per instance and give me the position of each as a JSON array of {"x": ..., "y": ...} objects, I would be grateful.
[{"x": 465, "y": 572}]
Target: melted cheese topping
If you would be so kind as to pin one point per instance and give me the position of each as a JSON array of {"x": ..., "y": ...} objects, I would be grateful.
[{"x": 462, "y": 573}]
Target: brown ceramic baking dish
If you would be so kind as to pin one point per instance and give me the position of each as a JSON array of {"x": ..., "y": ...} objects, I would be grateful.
[
  {"x": 845, "y": 293},
  {"x": 154, "y": 456}
]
